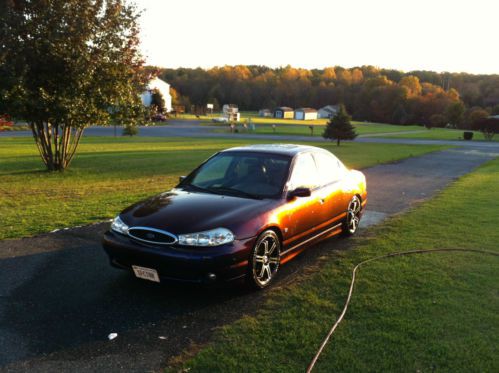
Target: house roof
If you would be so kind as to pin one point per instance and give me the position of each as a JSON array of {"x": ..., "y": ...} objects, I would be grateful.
[
  {"x": 330, "y": 108},
  {"x": 307, "y": 110},
  {"x": 284, "y": 108},
  {"x": 159, "y": 84}
]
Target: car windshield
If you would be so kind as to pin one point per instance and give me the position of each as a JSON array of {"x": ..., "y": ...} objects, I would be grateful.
[{"x": 248, "y": 175}]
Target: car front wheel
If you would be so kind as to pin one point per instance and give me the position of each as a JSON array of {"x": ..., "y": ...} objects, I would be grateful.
[
  {"x": 351, "y": 223},
  {"x": 264, "y": 260}
]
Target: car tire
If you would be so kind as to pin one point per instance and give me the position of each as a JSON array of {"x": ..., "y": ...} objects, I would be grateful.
[
  {"x": 351, "y": 222},
  {"x": 264, "y": 260}
]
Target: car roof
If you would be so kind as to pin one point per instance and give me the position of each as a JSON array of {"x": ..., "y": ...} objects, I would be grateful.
[{"x": 283, "y": 149}]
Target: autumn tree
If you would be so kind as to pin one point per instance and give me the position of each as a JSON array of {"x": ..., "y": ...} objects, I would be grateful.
[
  {"x": 175, "y": 96},
  {"x": 436, "y": 120},
  {"x": 369, "y": 93},
  {"x": 339, "y": 127},
  {"x": 475, "y": 114},
  {"x": 328, "y": 74},
  {"x": 413, "y": 85},
  {"x": 68, "y": 64}
]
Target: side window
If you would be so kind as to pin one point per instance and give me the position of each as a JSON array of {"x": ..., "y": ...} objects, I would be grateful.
[
  {"x": 329, "y": 168},
  {"x": 304, "y": 173}
]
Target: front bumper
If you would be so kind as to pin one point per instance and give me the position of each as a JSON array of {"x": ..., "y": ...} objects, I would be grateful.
[{"x": 180, "y": 263}]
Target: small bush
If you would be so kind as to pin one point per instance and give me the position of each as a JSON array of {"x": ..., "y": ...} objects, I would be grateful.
[
  {"x": 130, "y": 130},
  {"x": 468, "y": 135},
  {"x": 488, "y": 126}
]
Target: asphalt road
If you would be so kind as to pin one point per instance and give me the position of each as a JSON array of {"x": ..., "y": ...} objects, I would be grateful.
[{"x": 59, "y": 299}]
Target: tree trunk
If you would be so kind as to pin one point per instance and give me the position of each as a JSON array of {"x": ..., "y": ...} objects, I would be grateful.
[
  {"x": 56, "y": 143},
  {"x": 338, "y": 141}
]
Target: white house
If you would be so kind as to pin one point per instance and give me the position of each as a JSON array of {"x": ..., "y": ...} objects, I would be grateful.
[
  {"x": 328, "y": 111},
  {"x": 163, "y": 87},
  {"x": 305, "y": 113}
]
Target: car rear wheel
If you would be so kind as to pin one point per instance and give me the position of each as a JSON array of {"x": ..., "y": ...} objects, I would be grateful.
[
  {"x": 264, "y": 260},
  {"x": 351, "y": 223}
]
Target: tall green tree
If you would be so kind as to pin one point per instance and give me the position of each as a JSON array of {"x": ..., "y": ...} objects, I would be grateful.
[
  {"x": 339, "y": 127},
  {"x": 455, "y": 113},
  {"x": 157, "y": 101},
  {"x": 68, "y": 64}
]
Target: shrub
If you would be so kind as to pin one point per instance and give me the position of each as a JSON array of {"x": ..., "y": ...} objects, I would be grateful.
[
  {"x": 488, "y": 126},
  {"x": 467, "y": 135},
  {"x": 130, "y": 130}
]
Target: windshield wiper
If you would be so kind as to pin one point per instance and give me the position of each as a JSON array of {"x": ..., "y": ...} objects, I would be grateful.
[{"x": 234, "y": 192}]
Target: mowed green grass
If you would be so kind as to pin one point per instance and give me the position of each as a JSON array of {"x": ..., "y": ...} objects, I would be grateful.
[
  {"x": 301, "y": 128},
  {"x": 362, "y": 128},
  {"x": 420, "y": 313},
  {"x": 108, "y": 174},
  {"x": 290, "y": 127},
  {"x": 440, "y": 134}
]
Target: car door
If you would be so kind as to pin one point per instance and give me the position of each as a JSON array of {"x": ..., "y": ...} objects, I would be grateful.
[
  {"x": 304, "y": 214},
  {"x": 331, "y": 192}
]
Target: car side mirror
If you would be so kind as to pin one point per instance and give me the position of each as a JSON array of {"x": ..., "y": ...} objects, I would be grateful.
[
  {"x": 300, "y": 192},
  {"x": 181, "y": 178}
]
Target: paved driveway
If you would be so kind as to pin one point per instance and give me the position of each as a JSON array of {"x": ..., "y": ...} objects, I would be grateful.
[{"x": 59, "y": 299}]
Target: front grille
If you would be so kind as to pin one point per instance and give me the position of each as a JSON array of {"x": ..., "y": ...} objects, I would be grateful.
[{"x": 152, "y": 235}]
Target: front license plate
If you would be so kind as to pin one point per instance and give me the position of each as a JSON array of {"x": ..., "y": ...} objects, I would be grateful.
[{"x": 146, "y": 273}]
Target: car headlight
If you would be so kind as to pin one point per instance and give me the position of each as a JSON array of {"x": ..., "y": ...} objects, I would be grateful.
[
  {"x": 214, "y": 237},
  {"x": 118, "y": 226}
]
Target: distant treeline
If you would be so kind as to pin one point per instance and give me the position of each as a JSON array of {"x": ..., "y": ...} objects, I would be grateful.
[{"x": 369, "y": 93}]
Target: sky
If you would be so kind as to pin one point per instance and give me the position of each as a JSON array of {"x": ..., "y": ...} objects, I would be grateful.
[{"x": 438, "y": 35}]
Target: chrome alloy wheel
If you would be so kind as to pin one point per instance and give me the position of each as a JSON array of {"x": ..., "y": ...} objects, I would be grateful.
[
  {"x": 353, "y": 216},
  {"x": 265, "y": 258}
]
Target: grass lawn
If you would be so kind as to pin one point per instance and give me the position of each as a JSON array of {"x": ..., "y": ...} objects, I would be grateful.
[
  {"x": 303, "y": 129},
  {"x": 439, "y": 134},
  {"x": 246, "y": 115},
  {"x": 431, "y": 312},
  {"x": 365, "y": 130},
  {"x": 110, "y": 173}
]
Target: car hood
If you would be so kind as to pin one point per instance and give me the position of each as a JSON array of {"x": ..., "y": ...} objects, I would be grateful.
[{"x": 179, "y": 211}]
